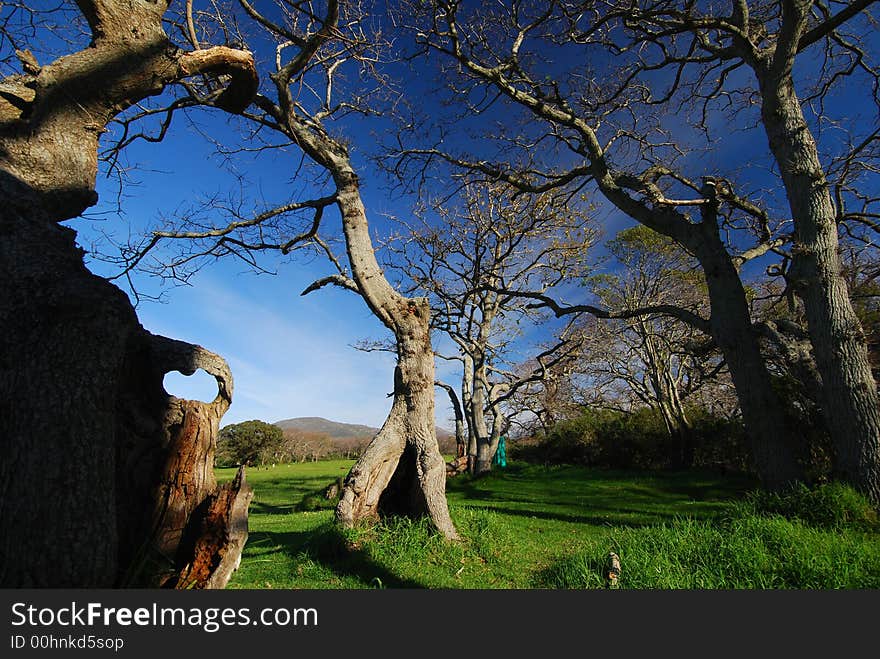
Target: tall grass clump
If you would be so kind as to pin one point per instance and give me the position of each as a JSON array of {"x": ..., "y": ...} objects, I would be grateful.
[
  {"x": 828, "y": 506},
  {"x": 816, "y": 539}
]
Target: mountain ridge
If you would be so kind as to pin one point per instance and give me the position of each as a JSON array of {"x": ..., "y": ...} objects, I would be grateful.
[{"x": 336, "y": 429}]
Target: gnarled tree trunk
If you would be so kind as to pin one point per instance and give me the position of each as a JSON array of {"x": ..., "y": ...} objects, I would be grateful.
[
  {"x": 850, "y": 401},
  {"x": 89, "y": 455},
  {"x": 402, "y": 470},
  {"x": 103, "y": 471}
]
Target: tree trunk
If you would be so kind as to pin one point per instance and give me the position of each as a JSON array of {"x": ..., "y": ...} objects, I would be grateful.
[
  {"x": 404, "y": 456},
  {"x": 90, "y": 480},
  {"x": 482, "y": 463},
  {"x": 460, "y": 437},
  {"x": 103, "y": 471},
  {"x": 467, "y": 397},
  {"x": 773, "y": 442},
  {"x": 849, "y": 393},
  {"x": 487, "y": 449}
]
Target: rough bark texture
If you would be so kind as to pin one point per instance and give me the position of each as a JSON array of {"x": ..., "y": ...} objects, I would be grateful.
[
  {"x": 773, "y": 442},
  {"x": 402, "y": 469},
  {"x": 849, "y": 393},
  {"x": 101, "y": 468},
  {"x": 482, "y": 459},
  {"x": 211, "y": 547},
  {"x": 197, "y": 529},
  {"x": 89, "y": 451}
]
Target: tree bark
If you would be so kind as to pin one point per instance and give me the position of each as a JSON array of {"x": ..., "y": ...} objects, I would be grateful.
[
  {"x": 103, "y": 471},
  {"x": 773, "y": 442},
  {"x": 402, "y": 469},
  {"x": 849, "y": 393},
  {"x": 482, "y": 462},
  {"x": 90, "y": 463},
  {"x": 467, "y": 397}
]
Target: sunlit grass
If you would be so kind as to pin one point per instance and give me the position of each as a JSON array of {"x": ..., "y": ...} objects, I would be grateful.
[{"x": 549, "y": 527}]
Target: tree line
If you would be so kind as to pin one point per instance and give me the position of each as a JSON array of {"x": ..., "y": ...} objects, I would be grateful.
[{"x": 256, "y": 443}]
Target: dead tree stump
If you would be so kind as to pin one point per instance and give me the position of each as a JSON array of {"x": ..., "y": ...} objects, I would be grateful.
[{"x": 199, "y": 530}]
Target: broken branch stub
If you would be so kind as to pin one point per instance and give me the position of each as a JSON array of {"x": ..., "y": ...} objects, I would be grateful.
[
  {"x": 211, "y": 549},
  {"x": 198, "y": 528}
]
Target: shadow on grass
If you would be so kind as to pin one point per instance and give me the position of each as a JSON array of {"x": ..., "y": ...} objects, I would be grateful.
[
  {"x": 616, "y": 517},
  {"x": 576, "y": 572},
  {"x": 329, "y": 547},
  {"x": 260, "y": 508},
  {"x": 579, "y": 487}
]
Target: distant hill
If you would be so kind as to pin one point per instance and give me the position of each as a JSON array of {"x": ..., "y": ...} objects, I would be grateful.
[
  {"x": 333, "y": 429},
  {"x": 338, "y": 430}
]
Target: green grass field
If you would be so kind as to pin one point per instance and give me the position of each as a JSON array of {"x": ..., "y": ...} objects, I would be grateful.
[{"x": 550, "y": 527}]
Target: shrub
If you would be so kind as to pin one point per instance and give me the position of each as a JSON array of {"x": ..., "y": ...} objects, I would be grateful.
[{"x": 638, "y": 439}]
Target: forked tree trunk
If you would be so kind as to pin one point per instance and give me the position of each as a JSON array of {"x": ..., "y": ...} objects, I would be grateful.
[
  {"x": 850, "y": 400},
  {"x": 488, "y": 446},
  {"x": 402, "y": 470},
  {"x": 665, "y": 390}
]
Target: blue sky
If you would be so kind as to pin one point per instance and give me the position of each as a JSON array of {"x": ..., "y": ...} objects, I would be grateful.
[{"x": 290, "y": 355}]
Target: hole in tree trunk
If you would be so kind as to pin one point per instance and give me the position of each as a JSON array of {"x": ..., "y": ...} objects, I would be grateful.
[
  {"x": 402, "y": 496},
  {"x": 199, "y": 386}
]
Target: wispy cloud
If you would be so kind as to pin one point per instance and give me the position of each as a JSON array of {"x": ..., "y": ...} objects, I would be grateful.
[{"x": 290, "y": 356}]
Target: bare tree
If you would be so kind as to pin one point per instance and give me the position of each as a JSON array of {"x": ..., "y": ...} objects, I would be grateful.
[
  {"x": 401, "y": 470},
  {"x": 463, "y": 259},
  {"x": 301, "y": 445},
  {"x": 602, "y": 120},
  {"x": 542, "y": 403},
  {"x": 660, "y": 360},
  {"x": 102, "y": 470}
]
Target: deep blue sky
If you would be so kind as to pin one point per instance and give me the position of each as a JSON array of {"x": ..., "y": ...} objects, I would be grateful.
[{"x": 290, "y": 355}]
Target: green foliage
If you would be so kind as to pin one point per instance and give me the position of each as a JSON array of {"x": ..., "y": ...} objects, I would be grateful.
[
  {"x": 814, "y": 450},
  {"x": 603, "y": 438},
  {"x": 248, "y": 443},
  {"x": 641, "y": 239},
  {"x": 638, "y": 440}
]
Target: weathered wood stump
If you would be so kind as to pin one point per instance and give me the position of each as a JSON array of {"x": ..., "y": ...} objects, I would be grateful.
[{"x": 200, "y": 529}]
